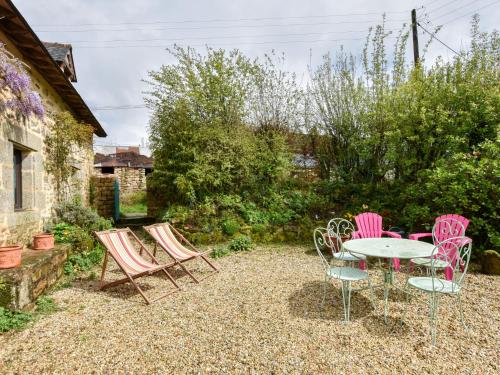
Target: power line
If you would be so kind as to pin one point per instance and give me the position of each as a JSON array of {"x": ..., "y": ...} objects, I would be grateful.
[
  {"x": 221, "y": 26},
  {"x": 215, "y": 37},
  {"x": 439, "y": 40},
  {"x": 442, "y": 6},
  {"x": 455, "y": 10},
  {"x": 119, "y": 107},
  {"x": 220, "y": 20},
  {"x": 231, "y": 44},
  {"x": 471, "y": 13}
]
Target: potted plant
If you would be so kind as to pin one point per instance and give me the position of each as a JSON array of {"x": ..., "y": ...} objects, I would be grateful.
[
  {"x": 43, "y": 241},
  {"x": 10, "y": 256}
]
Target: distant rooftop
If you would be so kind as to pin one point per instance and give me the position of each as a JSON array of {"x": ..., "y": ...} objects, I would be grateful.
[{"x": 123, "y": 157}]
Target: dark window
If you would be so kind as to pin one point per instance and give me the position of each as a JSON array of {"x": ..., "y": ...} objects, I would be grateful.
[
  {"x": 108, "y": 170},
  {"x": 18, "y": 179},
  {"x": 148, "y": 171}
]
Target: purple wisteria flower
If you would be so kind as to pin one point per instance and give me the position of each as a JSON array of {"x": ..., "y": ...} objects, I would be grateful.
[
  {"x": 13, "y": 76},
  {"x": 17, "y": 80}
]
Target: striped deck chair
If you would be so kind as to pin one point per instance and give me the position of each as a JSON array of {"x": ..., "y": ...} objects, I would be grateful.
[
  {"x": 171, "y": 241},
  {"x": 117, "y": 244}
]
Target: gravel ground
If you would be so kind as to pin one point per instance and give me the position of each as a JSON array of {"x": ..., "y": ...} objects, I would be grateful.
[{"x": 260, "y": 315}]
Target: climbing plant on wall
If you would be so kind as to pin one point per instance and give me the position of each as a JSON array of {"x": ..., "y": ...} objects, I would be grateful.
[
  {"x": 66, "y": 134},
  {"x": 16, "y": 87}
]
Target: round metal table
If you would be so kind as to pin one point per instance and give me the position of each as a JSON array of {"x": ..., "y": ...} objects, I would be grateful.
[{"x": 389, "y": 248}]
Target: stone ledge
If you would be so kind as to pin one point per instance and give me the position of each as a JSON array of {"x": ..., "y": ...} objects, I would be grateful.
[{"x": 39, "y": 270}]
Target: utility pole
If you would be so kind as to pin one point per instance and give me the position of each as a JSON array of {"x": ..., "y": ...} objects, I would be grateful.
[{"x": 416, "y": 57}]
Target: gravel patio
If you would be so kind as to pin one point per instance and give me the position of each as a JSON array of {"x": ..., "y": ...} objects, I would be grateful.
[{"x": 260, "y": 315}]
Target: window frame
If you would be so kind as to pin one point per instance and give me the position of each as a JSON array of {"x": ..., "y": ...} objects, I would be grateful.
[{"x": 18, "y": 178}]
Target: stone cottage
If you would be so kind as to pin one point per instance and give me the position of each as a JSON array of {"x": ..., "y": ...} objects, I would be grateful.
[
  {"x": 128, "y": 165},
  {"x": 26, "y": 191}
]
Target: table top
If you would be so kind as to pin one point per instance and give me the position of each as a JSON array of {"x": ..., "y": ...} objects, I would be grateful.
[{"x": 390, "y": 248}]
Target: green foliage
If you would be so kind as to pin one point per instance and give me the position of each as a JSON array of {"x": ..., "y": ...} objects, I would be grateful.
[
  {"x": 133, "y": 202},
  {"x": 408, "y": 142},
  {"x": 84, "y": 261},
  {"x": 230, "y": 226},
  {"x": 220, "y": 251},
  {"x": 66, "y": 134},
  {"x": 46, "y": 305},
  {"x": 241, "y": 243},
  {"x": 13, "y": 320},
  {"x": 84, "y": 217},
  {"x": 17, "y": 320}
]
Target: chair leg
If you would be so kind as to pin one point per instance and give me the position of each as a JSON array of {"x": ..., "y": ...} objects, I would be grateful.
[
  {"x": 104, "y": 265},
  {"x": 386, "y": 301},
  {"x": 461, "y": 310},
  {"x": 324, "y": 291},
  {"x": 344, "y": 299},
  {"x": 372, "y": 294},
  {"x": 408, "y": 300},
  {"x": 434, "y": 304},
  {"x": 349, "y": 300}
]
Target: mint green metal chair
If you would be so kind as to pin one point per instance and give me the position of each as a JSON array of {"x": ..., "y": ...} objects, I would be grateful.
[
  {"x": 454, "y": 252},
  {"x": 347, "y": 275},
  {"x": 340, "y": 230}
]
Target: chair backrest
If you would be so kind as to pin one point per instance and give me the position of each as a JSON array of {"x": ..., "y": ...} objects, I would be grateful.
[
  {"x": 321, "y": 239},
  {"x": 162, "y": 233},
  {"x": 339, "y": 230},
  {"x": 456, "y": 252},
  {"x": 369, "y": 225},
  {"x": 447, "y": 226},
  {"x": 117, "y": 243}
]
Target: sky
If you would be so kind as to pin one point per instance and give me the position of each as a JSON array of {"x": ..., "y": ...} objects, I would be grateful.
[{"x": 116, "y": 42}]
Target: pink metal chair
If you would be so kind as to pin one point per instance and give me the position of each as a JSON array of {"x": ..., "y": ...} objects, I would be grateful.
[
  {"x": 370, "y": 226},
  {"x": 445, "y": 227}
]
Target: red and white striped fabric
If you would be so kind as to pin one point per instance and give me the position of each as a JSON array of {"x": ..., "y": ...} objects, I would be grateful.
[
  {"x": 119, "y": 245},
  {"x": 167, "y": 240}
]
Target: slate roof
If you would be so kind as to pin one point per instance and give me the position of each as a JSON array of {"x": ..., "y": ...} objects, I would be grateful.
[{"x": 58, "y": 51}]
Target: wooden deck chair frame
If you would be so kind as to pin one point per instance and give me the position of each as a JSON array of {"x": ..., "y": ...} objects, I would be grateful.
[
  {"x": 178, "y": 261},
  {"x": 131, "y": 277}
]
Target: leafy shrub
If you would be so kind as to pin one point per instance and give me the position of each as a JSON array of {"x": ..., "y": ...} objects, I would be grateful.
[
  {"x": 230, "y": 226},
  {"x": 219, "y": 251},
  {"x": 46, "y": 305},
  {"x": 62, "y": 232},
  {"x": 83, "y": 262},
  {"x": 86, "y": 218},
  {"x": 13, "y": 320},
  {"x": 242, "y": 243}
]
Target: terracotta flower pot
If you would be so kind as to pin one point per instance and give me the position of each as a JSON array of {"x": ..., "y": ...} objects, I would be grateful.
[
  {"x": 43, "y": 241},
  {"x": 10, "y": 256}
]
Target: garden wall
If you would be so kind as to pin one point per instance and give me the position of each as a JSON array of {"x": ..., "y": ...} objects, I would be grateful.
[
  {"x": 130, "y": 179},
  {"x": 40, "y": 269},
  {"x": 103, "y": 199}
]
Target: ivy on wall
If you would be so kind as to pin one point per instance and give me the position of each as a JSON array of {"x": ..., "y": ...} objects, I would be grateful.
[{"x": 66, "y": 134}]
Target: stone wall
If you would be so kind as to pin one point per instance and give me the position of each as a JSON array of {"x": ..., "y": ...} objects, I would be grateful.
[
  {"x": 130, "y": 179},
  {"x": 103, "y": 195},
  {"x": 39, "y": 271},
  {"x": 27, "y": 135}
]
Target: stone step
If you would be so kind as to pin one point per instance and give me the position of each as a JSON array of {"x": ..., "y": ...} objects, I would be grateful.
[{"x": 135, "y": 220}]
